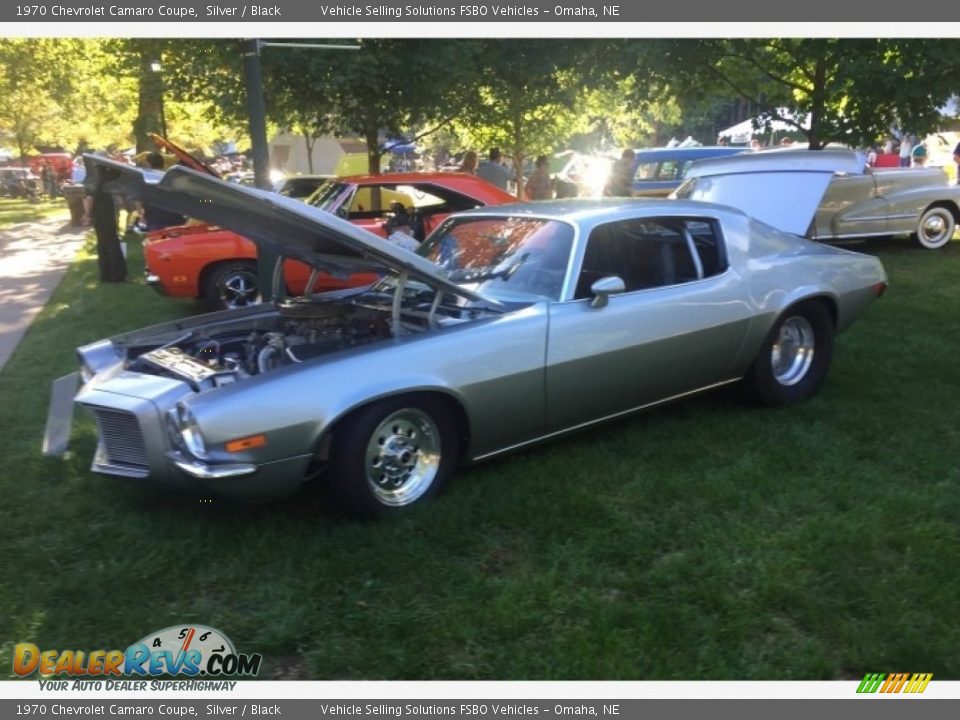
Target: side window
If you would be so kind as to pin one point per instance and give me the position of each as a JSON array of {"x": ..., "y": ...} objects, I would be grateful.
[
  {"x": 646, "y": 171},
  {"x": 371, "y": 202},
  {"x": 708, "y": 245},
  {"x": 650, "y": 252},
  {"x": 669, "y": 170}
]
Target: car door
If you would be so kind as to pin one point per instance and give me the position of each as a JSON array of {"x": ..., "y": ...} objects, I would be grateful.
[
  {"x": 852, "y": 205},
  {"x": 678, "y": 327}
]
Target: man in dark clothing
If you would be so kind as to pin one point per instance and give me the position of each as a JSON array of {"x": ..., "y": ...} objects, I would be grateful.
[
  {"x": 153, "y": 217},
  {"x": 620, "y": 182}
]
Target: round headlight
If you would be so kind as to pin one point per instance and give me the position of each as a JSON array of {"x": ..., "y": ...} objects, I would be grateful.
[{"x": 190, "y": 433}]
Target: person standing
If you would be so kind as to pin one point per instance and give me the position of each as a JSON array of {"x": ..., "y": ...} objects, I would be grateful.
[
  {"x": 919, "y": 154},
  {"x": 540, "y": 186},
  {"x": 620, "y": 182},
  {"x": 469, "y": 164},
  {"x": 48, "y": 180},
  {"x": 956, "y": 160},
  {"x": 494, "y": 171},
  {"x": 905, "y": 149},
  {"x": 153, "y": 217}
]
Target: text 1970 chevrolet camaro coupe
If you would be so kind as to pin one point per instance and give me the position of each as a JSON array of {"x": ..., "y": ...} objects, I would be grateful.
[{"x": 508, "y": 326}]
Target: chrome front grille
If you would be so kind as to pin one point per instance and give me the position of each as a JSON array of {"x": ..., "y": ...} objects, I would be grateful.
[{"x": 120, "y": 437}]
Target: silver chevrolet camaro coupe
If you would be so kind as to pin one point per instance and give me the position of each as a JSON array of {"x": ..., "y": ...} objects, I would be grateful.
[
  {"x": 852, "y": 200},
  {"x": 509, "y": 325}
]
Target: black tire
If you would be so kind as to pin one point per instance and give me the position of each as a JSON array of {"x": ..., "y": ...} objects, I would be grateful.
[
  {"x": 935, "y": 228},
  {"x": 232, "y": 285},
  {"x": 392, "y": 455},
  {"x": 805, "y": 332}
]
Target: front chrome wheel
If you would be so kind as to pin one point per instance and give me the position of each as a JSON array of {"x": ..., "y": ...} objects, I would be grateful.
[
  {"x": 239, "y": 289},
  {"x": 792, "y": 353},
  {"x": 403, "y": 457}
]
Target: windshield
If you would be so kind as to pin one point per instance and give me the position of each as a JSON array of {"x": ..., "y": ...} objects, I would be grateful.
[
  {"x": 506, "y": 256},
  {"x": 328, "y": 196}
]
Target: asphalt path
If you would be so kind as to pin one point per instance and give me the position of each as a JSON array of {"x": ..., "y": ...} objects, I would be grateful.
[{"x": 33, "y": 260}]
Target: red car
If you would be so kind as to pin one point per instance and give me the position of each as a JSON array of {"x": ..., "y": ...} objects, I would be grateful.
[{"x": 203, "y": 261}]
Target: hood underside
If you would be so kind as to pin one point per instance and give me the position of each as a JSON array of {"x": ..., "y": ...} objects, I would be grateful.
[
  {"x": 781, "y": 188},
  {"x": 283, "y": 225}
]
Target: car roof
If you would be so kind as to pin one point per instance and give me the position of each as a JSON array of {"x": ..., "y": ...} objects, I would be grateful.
[
  {"x": 685, "y": 153},
  {"x": 589, "y": 210},
  {"x": 460, "y": 182}
]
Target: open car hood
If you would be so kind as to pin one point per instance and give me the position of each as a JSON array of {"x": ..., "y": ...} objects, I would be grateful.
[
  {"x": 288, "y": 227},
  {"x": 782, "y": 188},
  {"x": 184, "y": 156}
]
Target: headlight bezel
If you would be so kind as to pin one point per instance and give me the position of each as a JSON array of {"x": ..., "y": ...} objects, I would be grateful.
[{"x": 188, "y": 436}]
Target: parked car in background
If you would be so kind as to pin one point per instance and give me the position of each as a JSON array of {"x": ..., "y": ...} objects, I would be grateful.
[
  {"x": 60, "y": 163},
  {"x": 657, "y": 172},
  {"x": 510, "y": 325},
  {"x": 19, "y": 182},
  {"x": 852, "y": 200},
  {"x": 220, "y": 266}
]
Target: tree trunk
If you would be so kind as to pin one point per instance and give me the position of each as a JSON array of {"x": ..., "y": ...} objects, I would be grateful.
[
  {"x": 309, "y": 142},
  {"x": 150, "y": 100},
  {"x": 112, "y": 264},
  {"x": 818, "y": 105},
  {"x": 518, "y": 151},
  {"x": 373, "y": 151}
]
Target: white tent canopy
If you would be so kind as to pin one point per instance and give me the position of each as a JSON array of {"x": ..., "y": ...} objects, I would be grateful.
[{"x": 743, "y": 131}]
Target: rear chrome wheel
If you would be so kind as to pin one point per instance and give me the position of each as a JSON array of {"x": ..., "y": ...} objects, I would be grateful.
[
  {"x": 792, "y": 353},
  {"x": 935, "y": 228},
  {"x": 793, "y": 361}
]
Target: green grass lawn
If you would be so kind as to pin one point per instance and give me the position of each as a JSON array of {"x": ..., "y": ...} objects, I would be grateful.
[
  {"x": 706, "y": 540},
  {"x": 13, "y": 211}
]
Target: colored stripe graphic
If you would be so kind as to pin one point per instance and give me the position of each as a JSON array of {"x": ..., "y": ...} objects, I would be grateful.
[
  {"x": 870, "y": 682},
  {"x": 894, "y": 683}
]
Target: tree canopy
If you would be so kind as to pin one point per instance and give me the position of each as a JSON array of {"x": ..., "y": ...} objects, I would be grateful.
[{"x": 524, "y": 96}]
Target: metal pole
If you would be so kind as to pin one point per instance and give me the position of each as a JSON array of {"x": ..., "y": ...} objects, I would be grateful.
[
  {"x": 163, "y": 115},
  {"x": 256, "y": 108}
]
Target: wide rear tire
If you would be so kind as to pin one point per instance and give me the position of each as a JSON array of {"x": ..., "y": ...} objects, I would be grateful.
[{"x": 793, "y": 361}]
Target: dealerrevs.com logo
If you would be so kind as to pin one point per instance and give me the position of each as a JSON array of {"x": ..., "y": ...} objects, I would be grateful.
[{"x": 190, "y": 650}]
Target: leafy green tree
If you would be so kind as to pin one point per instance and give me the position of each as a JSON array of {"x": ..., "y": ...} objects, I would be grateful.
[
  {"x": 34, "y": 90},
  {"x": 386, "y": 88},
  {"x": 529, "y": 98},
  {"x": 830, "y": 90}
]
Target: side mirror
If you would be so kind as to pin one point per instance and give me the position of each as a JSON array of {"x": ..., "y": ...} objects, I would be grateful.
[{"x": 603, "y": 288}]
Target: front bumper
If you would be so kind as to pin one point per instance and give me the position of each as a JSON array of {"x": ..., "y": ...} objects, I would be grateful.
[
  {"x": 133, "y": 442},
  {"x": 154, "y": 282}
]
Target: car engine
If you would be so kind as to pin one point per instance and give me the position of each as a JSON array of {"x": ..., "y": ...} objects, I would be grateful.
[{"x": 302, "y": 330}]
